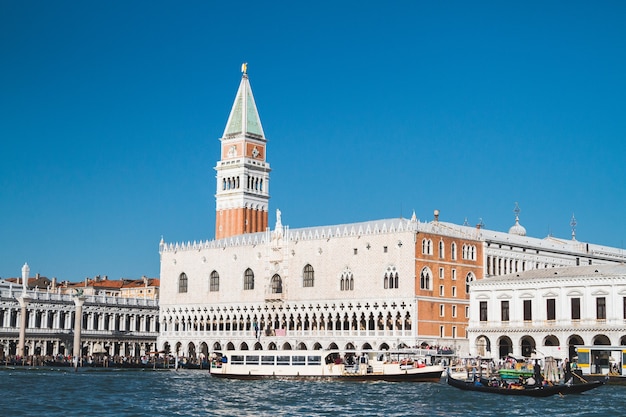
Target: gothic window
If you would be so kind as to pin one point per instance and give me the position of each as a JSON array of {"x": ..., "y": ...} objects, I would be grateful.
[
  {"x": 214, "y": 282},
  {"x": 277, "y": 284},
  {"x": 308, "y": 276},
  {"x": 468, "y": 278},
  {"x": 453, "y": 251},
  {"x": 441, "y": 249},
  {"x": 427, "y": 246},
  {"x": 426, "y": 279},
  {"x": 182, "y": 283},
  {"x": 391, "y": 278},
  {"x": 248, "y": 280},
  {"x": 347, "y": 281}
]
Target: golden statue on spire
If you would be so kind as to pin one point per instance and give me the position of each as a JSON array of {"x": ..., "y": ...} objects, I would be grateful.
[{"x": 244, "y": 68}]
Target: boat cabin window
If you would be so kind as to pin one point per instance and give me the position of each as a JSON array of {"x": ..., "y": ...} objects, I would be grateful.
[
  {"x": 314, "y": 360},
  {"x": 236, "y": 359},
  {"x": 298, "y": 360},
  {"x": 268, "y": 360},
  {"x": 252, "y": 360},
  {"x": 282, "y": 360}
]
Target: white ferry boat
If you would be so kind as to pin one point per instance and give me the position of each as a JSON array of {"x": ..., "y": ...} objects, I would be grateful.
[{"x": 369, "y": 365}]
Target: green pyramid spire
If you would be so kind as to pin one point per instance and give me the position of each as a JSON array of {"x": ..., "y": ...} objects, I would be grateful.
[{"x": 244, "y": 117}]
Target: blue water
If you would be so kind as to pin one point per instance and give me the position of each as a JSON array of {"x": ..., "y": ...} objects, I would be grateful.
[{"x": 62, "y": 392}]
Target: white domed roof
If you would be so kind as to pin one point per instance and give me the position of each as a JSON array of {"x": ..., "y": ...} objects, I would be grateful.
[{"x": 517, "y": 229}]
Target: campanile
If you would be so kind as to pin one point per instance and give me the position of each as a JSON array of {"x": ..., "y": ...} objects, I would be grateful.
[{"x": 243, "y": 174}]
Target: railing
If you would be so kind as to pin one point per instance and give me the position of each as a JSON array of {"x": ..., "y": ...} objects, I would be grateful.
[{"x": 16, "y": 292}]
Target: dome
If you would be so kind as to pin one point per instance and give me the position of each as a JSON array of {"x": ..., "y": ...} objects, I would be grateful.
[{"x": 517, "y": 229}]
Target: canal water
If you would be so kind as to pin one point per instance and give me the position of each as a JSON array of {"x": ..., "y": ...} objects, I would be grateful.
[{"x": 97, "y": 392}]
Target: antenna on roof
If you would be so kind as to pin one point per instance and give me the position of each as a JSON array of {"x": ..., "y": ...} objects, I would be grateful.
[{"x": 573, "y": 224}]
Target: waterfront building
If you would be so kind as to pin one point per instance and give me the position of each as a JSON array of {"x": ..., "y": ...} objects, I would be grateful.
[
  {"x": 550, "y": 312},
  {"x": 377, "y": 284},
  {"x": 111, "y": 325}
]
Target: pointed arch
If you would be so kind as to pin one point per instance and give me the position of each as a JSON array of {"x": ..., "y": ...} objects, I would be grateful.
[
  {"x": 426, "y": 279},
  {"x": 308, "y": 276},
  {"x": 276, "y": 284},
  {"x": 214, "y": 283},
  {"x": 182, "y": 283},
  {"x": 248, "y": 279}
]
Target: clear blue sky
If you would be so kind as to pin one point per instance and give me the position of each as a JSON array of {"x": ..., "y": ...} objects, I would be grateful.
[{"x": 110, "y": 115}]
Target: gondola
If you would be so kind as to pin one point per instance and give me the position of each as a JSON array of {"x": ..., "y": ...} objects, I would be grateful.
[{"x": 530, "y": 391}]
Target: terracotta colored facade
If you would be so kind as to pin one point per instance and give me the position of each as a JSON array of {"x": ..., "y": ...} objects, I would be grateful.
[
  {"x": 232, "y": 222},
  {"x": 443, "y": 267}
]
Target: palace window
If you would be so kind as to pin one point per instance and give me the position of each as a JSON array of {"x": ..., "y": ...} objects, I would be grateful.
[
  {"x": 551, "y": 309},
  {"x": 483, "y": 311},
  {"x": 468, "y": 278},
  {"x": 182, "y": 283},
  {"x": 214, "y": 282},
  {"x": 308, "y": 276},
  {"x": 391, "y": 278},
  {"x": 601, "y": 308},
  {"x": 528, "y": 310},
  {"x": 248, "y": 279},
  {"x": 453, "y": 251},
  {"x": 575, "y": 303},
  {"x": 276, "y": 284},
  {"x": 441, "y": 291},
  {"x": 441, "y": 249},
  {"x": 442, "y": 310},
  {"x": 441, "y": 275},
  {"x": 453, "y": 311},
  {"x": 504, "y": 310},
  {"x": 469, "y": 252},
  {"x": 347, "y": 281},
  {"x": 427, "y": 247},
  {"x": 425, "y": 279}
]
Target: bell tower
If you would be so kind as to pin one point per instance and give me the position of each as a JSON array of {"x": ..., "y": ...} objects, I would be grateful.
[{"x": 243, "y": 174}]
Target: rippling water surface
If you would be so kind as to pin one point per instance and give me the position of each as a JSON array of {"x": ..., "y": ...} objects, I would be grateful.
[{"x": 62, "y": 392}]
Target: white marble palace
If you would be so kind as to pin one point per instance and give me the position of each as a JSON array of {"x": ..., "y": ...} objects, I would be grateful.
[{"x": 378, "y": 284}]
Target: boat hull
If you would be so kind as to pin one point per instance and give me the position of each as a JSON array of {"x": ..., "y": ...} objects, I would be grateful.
[
  {"x": 391, "y": 366},
  {"x": 539, "y": 391},
  {"x": 428, "y": 376}
]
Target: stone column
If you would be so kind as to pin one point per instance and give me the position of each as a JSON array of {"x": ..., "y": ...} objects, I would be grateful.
[
  {"x": 23, "y": 300},
  {"x": 79, "y": 300}
]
